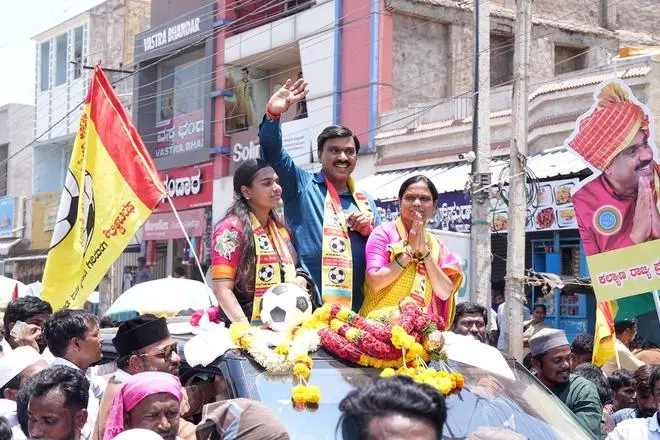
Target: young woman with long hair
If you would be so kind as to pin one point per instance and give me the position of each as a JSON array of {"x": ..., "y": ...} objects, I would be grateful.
[{"x": 252, "y": 248}]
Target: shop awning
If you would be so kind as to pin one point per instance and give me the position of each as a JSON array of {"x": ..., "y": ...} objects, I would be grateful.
[
  {"x": 553, "y": 163},
  {"x": 6, "y": 245}
]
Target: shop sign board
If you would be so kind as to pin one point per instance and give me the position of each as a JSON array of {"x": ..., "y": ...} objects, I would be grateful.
[
  {"x": 164, "y": 225},
  {"x": 44, "y": 216},
  {"x": 550, "y": 209},
  {"x": 189, "y": 187}
]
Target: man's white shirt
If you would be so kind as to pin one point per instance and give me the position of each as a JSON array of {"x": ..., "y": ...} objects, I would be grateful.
[{"x": 637, "y": 429}]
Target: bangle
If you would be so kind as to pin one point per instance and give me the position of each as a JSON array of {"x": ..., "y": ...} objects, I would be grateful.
[
  {"x": 272, "y": 116},
  {"x": 399, "y": 264},
  {"x": 426, "y": 256}
]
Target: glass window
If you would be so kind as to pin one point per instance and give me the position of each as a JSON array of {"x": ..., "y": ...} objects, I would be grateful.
[
  {"x": 60, "y": 60},
  {"x": 4, "y": 151},
  {"x": 77, "y": 52},
  {"x": 181, "y": 85},
  {"x": 43, "y": 68}
]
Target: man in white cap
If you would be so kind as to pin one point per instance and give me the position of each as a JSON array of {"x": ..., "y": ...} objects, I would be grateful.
[
  {"x": 551, "y": 358},
  {"x": 16, "y": 367}
]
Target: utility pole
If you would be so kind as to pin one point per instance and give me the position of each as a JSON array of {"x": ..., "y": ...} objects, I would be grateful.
[
  {"x": 480, "y": 267},
  {"x": 514, "y": 292}
]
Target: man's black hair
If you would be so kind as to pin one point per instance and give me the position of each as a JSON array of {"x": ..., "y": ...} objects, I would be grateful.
[
  {"x": 179, "y": 270},
  {"x": 620, "y": 379},
  {"x": 655, "y": 377},
  {"x": 65, "y": 325},
  {"x": 336, "y": 131},
  {"x": 466, "y": 308},
  {"x": 5, "y": 429},
  {"x": 108, "y": 322},
  {"x": 622, "y": 326},
  {"x": 541, "y": 305},
  {"x": 393, "y": 395},
  {"x": 583, "y": 344},
  {"x": 594, "y": 375},
  {"x": 24, "y": 308},
  {"x": 71, "y": 382}
]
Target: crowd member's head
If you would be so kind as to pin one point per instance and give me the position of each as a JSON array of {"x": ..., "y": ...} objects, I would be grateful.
[
  {"x": 248, "y": 419},
  {"x": 626, "y": 330},
  {"x": 394, "y": 407},
  {"x": 30, "y": 310},
  {"x": 471, "y": 319},
  {"x": 623, "y": 390},
  {"x": 594, "y": 375},
  {"x": 338, "y": 148},
  {"x": 655, "y": 386},
  {"x": 5, "y": 429},
  {"x": 74, "y": 335},
  {"x": 57, "y": 407},
  {"x": 144, "y": 344},
  {"x": 582, "y": 349},
  {"x": 539, "y": 313},
  {"x": 142, "y": 262},
  {"x": 646, "y": 404},
  {"x": 417, "y": 195},
  {"x": 179, "y": 272},
  {"x": 107, "y": 322},
  {"x": 148, "y": 401},
  {"x": 16, "y": 367},
  {"x": 551, "y": 357}
]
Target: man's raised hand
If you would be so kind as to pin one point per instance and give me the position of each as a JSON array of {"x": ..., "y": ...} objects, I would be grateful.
[{"x": 289, "y": 94}]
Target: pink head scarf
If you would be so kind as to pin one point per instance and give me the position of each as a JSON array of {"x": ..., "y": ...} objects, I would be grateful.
[{"x": 133, "y": 391}]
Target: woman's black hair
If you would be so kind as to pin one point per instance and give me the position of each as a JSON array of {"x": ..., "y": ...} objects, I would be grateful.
[
  {"x": 244, "y": 176},
  {"x": 416, "y": 179},
  {"x": 392, "y": 395}
]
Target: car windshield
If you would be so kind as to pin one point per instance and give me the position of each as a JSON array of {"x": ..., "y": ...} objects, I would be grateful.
[{"x": 488, "y": 400}]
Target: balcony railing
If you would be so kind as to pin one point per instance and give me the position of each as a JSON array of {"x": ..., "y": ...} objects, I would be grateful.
[{"x": 250, "y": 14}]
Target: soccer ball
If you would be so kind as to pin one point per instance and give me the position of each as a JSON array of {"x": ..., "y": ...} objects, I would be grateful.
[
  {"x": 68, "y": 210},
  {"x": 337, "y": 245},
  {"x": 285, "y": 305},
  {"x": 337, "y": 275},
  {"x": 263, "y": 242},
  {"x": 266, "y": 273}
]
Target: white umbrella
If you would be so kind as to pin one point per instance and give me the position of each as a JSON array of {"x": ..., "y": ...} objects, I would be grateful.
[
  {"x": 164, "y": 296},
  {"x": 7, "y": 286},
  {"x": 34, "y": 289}
]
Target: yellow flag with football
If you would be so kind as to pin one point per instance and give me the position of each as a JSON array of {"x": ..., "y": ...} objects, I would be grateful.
[{"x": 111, "y": 187}]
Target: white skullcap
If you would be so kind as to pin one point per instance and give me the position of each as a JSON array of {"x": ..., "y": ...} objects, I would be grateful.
[
  {"x": 13, "y": 363},
  {"x": 547, "y": 339},
  {"x": 138, "y": 434}
]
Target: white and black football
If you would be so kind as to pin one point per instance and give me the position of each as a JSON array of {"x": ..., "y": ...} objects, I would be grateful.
[{"x": 285, "y": 305}]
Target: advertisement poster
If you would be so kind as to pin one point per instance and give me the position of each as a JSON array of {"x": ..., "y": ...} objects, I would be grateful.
[
  {"x": 7, "y": 209},
  {"x": 179, "y": 134},
  {"x": 551, "y": 209},
  {"x": 250, "y": 93},
  {"x": 618, "y": 207},
  {"x": 44, "y": 216}
]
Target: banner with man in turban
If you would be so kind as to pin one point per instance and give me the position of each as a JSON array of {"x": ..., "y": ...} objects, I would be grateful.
[{"x": 618, "y": 207}]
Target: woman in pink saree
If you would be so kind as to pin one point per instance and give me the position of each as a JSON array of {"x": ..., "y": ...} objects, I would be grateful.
[{"x": 405, "y": 259}]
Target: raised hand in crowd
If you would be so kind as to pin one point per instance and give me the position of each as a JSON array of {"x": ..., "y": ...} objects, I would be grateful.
[{"x": 290, "y": 93}]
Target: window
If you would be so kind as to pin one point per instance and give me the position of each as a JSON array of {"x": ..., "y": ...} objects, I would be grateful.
[
  {"x": 501, "y": 59},
  {"x": 570, "y": 59},
  {"x": 4, "y": 150},
  {"x": 60, "y": 60},
  {"x": 45, "y": 62},
  {"x": 181, "y": 85},
  {"x": 77, "y": 52}
]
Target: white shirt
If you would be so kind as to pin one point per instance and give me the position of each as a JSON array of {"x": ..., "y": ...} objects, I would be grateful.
[
  {"x": 502, "y": 322},
  {"x": 47, "y": 355},
  {"x": 637, "y": 429},
  {"x": 8, "y": 411},
  {"x": 97, "y": 386}
]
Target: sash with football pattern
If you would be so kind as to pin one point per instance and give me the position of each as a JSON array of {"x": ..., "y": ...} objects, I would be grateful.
[
  {"x": 337, "y": 261},
  {"x": 269, "y": 261},
  {"x": 418, "y": 289}
]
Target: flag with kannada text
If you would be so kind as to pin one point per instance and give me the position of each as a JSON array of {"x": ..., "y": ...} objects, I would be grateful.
[{"x": 110, "y": 189}]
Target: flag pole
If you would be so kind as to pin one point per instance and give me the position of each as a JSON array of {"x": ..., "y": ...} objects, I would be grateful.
[{"x": 192, "y": 249}]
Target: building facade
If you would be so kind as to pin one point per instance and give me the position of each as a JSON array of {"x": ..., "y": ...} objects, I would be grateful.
[{"x": 65, "y": 57}]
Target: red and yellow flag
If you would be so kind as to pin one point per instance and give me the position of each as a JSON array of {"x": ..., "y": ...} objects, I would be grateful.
[
  {"x": 110, "y": 190},
  {"x": 604, "y": 349}
]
